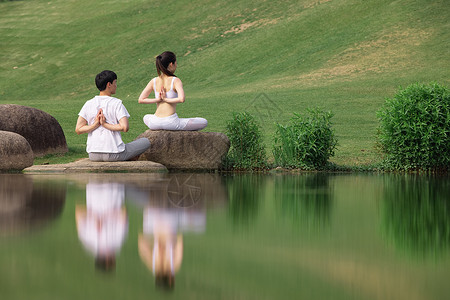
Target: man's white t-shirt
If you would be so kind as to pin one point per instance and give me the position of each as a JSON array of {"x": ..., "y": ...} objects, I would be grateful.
[
  {"x": 105, "y": 227},
  {"x": 101, "y": 139}
]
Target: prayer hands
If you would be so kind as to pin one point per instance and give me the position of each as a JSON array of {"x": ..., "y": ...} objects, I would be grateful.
[
  {"x": 162, "y": 94},
  {"x": 100, "y": 118}
]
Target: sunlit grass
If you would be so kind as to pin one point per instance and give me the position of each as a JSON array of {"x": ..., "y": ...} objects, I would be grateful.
[{"x": 344, "y": 56}]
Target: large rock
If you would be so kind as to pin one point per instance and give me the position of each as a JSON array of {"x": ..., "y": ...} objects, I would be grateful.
[
  {"x": 15, "y": 152},
  {"x": 40, "y": 129},
  {"x": 186, "y": 150}
]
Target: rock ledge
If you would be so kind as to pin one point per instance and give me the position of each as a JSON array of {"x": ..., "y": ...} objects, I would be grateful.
[{"x": 87, "y": 166}]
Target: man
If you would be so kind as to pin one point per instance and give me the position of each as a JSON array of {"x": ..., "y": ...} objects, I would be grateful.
[{"x": 103, "y": 118}]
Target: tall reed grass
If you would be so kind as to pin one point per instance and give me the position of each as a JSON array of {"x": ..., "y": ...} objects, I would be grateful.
[
  {"x": 306, "y": 141},
  {"x": 414, "y": 130},
  {"x": 246, "y": 143}
]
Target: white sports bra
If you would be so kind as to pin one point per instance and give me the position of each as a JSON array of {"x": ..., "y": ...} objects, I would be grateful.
[{"x": 169, "y": 94}]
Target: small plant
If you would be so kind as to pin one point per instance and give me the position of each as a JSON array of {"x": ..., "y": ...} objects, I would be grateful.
[
  {"x": 246, "y": 150},
  {"x": 414, "y": 131},
  {"x": 306, "y": 142}
]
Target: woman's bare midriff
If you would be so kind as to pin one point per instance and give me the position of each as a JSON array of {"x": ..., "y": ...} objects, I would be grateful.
[{"x": 165, "y": 109}]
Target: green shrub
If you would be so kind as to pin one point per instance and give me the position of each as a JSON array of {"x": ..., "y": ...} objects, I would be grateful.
[
  {"x": 306, "y": 142},
  {"x": 414, "y": 131},
  {"x": 246, "y": 147}
]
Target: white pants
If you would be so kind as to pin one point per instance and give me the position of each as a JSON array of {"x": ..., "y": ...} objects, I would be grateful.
[{"x": 174, "y": 123}]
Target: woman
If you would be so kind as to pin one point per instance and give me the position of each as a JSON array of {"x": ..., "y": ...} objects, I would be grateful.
[{"x": 168, "y": 93}]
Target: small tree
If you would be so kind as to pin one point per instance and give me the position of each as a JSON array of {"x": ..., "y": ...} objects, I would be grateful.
[
  {"x": 246, "y": 147},
  {"x": 414, "y": 131},
  {"x": 306, "y": 142}
]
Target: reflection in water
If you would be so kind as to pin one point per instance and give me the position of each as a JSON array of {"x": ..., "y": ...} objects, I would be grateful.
[
  {"x": 102, "y": 224},
  {"x": 244, "y": 195},
  {"x": 304, "y": 198},
  {"x": 416, "y": 212},
  {"x": 171, "y": 206},
  {"x": 27, "y": 203},
  {"x": 274, "y": 259}
]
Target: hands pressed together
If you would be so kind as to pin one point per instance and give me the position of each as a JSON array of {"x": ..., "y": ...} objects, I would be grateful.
[
  {"x": 100, "y": 117},
  {"x": 100, "y": 120},
  {"x": 162, "y": 95},
  {"x": 83, "y": 126}
]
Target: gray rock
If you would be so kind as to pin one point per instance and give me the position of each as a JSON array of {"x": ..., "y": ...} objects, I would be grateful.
[
  {"x": 15, "y": 152},
  {"x": 41, "y": 130},
  {"x": 186, "y": 150}
]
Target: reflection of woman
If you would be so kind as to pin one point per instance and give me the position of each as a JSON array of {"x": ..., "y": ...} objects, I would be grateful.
[
  {"x": 160, "y": 244},
  {"x": 168, "y": 93},
  {"x": 160, "y": 247},
  {"x": 103, "y": 224}
]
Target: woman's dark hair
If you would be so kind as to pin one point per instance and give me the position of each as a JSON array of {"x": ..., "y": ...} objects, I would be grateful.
[
  {"x": 165, "y": 281},
  {"x": 163, "y": 61},
  {"x": 102, "y": 79}
]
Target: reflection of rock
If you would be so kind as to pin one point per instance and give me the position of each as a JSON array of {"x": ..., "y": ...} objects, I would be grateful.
[
  {"x": 181, "y": 190},
  {"x": 304, "y": 198},
  {"x": 186, "y": 150},
  {"x": 184, "y": 192},
  {"x": 26, "y": 203},
  {"x": 15, "y": 152},
  {"x": 40, "y": 129},
  {"x": 416, "y": 212}
]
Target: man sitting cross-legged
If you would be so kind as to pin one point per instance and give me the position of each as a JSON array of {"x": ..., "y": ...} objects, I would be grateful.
[{"x": 103, "y": 118}]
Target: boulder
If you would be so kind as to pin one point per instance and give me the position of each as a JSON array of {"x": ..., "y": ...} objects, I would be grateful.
[
  {"x": 41, "y": 130},
  {"x": 15, "y": 152},
  {"x": 186, "y": 150}
]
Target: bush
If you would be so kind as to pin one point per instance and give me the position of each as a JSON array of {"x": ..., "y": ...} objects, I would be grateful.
[
  {"x": 306, "y": 142},
  {"x": 246, "y": 148},
  {"x": 415, "y": 126}
]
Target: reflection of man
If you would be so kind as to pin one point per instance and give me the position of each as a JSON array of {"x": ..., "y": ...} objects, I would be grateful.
[
  {"x": 103, "y": 224},
  {"x": 161, "y": 244}
]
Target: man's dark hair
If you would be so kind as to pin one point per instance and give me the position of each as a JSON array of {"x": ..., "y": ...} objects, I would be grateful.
[
  {"x": 105, "y": 263},
  {"x": 102, "y": 79}
]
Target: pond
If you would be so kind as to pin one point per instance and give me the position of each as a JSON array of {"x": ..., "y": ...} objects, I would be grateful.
[{"x": 207, "y": 236}]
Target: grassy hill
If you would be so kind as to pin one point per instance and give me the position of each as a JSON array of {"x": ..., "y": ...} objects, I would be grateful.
[{"x": 271, "y": 58}]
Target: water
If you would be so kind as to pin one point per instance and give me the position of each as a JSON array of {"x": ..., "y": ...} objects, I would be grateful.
[{"x": 205, "y": 236}]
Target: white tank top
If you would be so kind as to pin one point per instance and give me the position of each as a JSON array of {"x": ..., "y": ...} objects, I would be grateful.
[{"x": 169, "y": 94}]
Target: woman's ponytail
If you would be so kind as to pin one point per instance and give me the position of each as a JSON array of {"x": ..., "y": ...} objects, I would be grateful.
[{"x": 163, "y": 61}]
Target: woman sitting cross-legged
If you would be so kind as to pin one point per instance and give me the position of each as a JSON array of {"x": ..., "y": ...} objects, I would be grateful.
[{"x": 168, "y": 93}]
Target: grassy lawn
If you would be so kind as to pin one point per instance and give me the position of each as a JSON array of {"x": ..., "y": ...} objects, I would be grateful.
[{"x": 271, "y": 58}]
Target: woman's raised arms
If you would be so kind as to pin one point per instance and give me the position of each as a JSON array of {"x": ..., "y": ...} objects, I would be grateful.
[
  {"x": 143, "y": 98},
  {"x": 178, "y": 85}
]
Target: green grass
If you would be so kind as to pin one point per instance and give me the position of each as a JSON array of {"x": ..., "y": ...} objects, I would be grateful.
[{"x": 346, "y": 56}]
